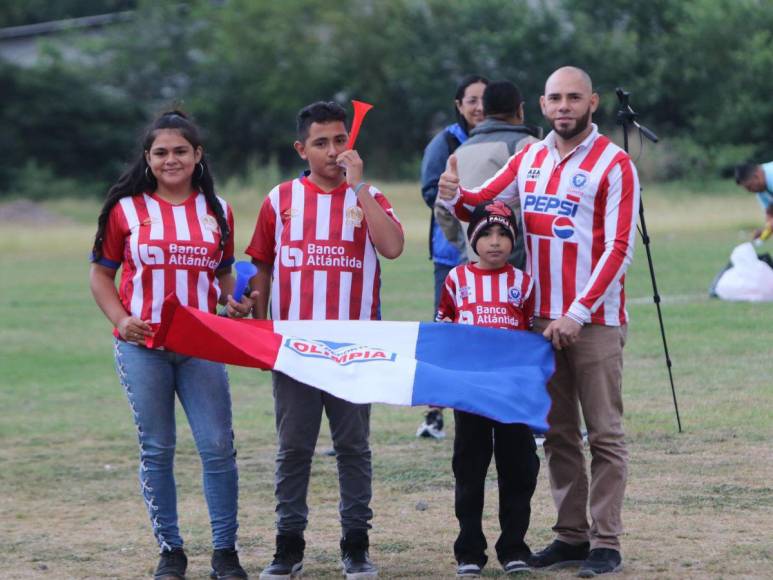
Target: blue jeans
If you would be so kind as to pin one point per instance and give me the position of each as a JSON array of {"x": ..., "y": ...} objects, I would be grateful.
[
  {"x": 151, "y": 378},
  {"x": 441, "y": 271}
]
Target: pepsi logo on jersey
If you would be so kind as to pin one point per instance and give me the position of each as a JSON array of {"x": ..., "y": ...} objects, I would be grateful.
[
  {"x": 549, "y": 216},
  {"x": 550, "y": 204},
  {"x": 563, "y": 227}
]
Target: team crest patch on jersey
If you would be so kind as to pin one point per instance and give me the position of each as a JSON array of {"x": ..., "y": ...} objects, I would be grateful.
[
  {"x": 339, "y": 353},
  {"x": 289, "y": 213},
  {"x": 579, "y": 180},
  {"x": 209, "y": 223},
  {"x": 464, "y": 292},
  {"x": 514, "y": 296},
  {"x": 578, "y": 184},
  {"x": 354, "y": 216}
]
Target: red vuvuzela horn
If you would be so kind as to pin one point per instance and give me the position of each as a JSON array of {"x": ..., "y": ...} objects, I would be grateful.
[{"x": 360, "y": 110}]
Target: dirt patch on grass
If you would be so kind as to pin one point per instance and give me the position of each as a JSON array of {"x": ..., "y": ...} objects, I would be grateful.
[
  {"x": 24, "y": 211},
  {"x": 695, "y": 508}
]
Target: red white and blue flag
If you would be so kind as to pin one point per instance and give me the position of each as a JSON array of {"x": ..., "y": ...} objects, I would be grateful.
[{"x": 496, "y": 373}]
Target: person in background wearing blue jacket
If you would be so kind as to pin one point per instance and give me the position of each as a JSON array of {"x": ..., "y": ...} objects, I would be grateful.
[{"x": 444, "y": 254}]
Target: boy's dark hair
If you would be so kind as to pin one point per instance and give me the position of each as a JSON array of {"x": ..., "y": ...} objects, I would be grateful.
[
  {"x": 744, "y": 171},
  {"x": 319, "y": 112},
  {"x": 138, "y": 179},
  {"x": 501, "y": 98}
]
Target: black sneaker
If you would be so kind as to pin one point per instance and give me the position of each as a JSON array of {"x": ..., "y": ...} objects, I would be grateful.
[
  {"x": 354, "y": 556},
  {"x": 515, "y": 566},
  {"x": 432, "y": 425},
  {"x": 601, "y": 561},
  {"x": 288, "y": 560},
  {"x": 559, "y": 555},
  {"x": 226, "y": 566},
  {"x": 468, "y": 570},
  {"x": 171, "y": 565}
]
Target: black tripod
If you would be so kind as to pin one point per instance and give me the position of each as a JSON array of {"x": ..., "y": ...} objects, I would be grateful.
[{"x": 626, "y": 117}]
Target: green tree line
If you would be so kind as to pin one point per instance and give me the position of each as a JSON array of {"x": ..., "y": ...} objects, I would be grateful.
[{"x": 699, "y": 73}]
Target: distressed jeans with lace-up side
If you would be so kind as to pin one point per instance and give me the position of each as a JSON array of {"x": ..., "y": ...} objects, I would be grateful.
[{"x": 151, "y": 379}]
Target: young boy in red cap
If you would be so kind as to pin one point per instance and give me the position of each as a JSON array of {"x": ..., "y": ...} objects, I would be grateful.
[{"x": 491, "y": 293}]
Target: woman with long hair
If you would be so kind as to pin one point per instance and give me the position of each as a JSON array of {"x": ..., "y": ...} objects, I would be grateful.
[{"x": 168, "y": 232}]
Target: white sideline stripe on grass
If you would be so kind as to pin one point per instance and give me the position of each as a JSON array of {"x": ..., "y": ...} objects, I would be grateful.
[{"x": 673, "y": 299}]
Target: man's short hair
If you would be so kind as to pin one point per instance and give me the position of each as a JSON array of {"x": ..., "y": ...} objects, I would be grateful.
[
  {"x": 319, "y": 112},
  {"x": 501, "y": 98},
  {"x": 745, "y": 171}
]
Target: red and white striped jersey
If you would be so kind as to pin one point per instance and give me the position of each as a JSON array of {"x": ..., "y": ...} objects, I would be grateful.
[
  {"x": 501, "y": 298},
  {"x": 327, "y": 266},
  {"x": 579, "y": 220},
  {"x": 163, "y": 248}
]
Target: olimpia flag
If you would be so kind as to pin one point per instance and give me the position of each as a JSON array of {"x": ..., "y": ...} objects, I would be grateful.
[{"x": 500, "y": 374}]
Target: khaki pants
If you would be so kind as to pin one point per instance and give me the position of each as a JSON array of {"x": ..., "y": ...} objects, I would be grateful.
[{"x": 588, "y": 378}]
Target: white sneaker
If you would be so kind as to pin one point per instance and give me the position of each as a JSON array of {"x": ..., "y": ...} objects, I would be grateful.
[
  {"x": 432, "y": 425},
  {"x": 515, "y": 567},
  {"x": 468, "y": 570}
]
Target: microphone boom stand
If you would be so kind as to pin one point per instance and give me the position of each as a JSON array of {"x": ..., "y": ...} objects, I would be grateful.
[{"x": 626, "y": 117}]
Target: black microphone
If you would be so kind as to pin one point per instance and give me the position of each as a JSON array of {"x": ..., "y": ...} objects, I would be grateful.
[{"x": 627, "y": 115}]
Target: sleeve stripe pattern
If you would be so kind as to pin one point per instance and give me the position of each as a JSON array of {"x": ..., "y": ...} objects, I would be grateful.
[
  {"x": 134, "y": 284},
  {"x": 280, "y": 202},
  {"x": 619, "y": 232},
  {"x": 502, "y": 185},
  {"x": 602, "y": 298}
]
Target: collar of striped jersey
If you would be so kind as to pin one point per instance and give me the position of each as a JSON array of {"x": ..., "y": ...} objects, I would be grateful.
[
  {"x": 190, "y": 199},
  {"x": 475, "y": 267},
  {"x": 550, "y": 141},
  {"x": 317, "y": 189}
]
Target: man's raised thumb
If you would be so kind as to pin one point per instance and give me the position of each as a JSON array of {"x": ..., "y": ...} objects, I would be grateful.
[{"x": 451, "y": 167}]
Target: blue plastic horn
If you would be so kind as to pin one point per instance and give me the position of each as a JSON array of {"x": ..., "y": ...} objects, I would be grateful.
[{"x": 244, "y": 271}]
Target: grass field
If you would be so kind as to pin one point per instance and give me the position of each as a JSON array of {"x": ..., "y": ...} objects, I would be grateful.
[{"x": 699, "y": 504}]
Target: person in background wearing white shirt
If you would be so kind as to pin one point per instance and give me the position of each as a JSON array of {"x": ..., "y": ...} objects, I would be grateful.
[{"x": 758, "y": 179}]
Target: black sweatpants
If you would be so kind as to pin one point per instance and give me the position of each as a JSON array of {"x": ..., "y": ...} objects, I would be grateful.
[{"x": 517, "y": 465}]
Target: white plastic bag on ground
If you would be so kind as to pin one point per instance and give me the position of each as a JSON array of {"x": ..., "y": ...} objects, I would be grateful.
[{"x": 749, "y": 279}]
